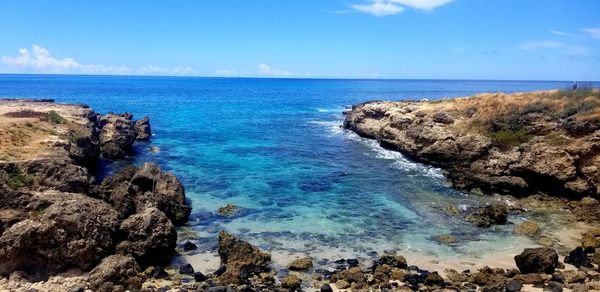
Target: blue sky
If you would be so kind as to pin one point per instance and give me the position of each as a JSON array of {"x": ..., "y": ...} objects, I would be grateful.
[{"x": 449, "y": 39}]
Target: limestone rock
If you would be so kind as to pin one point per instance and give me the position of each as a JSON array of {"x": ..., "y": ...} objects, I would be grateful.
[
  {"x": 143, "y": 131},
  {"x": 291, "y": 282},
  {"x": 301, "y": 264},
  {"x": 527, "y": 228},
  {"x": 116, "y": 273},
  {"x": 149, "y": 237},
  {"x": 240, "y": 258},
  {"x": 117, "y": 135}
]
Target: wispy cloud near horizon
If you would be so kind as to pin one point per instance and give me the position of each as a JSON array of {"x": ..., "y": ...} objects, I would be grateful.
[
  {"x": 391, "y": 7},
  {"x": 593, "y": 32},
  {"x": 40, "y": 60}
]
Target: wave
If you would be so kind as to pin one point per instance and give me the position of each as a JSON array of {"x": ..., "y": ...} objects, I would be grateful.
[
  {"x": 399, "y": 160},
  {"x": 337, "y": 109},
  {"x": 334, "y": 127}
]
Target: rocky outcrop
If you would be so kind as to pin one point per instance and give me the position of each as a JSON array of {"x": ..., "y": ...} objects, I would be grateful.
[
  {"x": 73, "y": 231},
  {"x": 135, "y": 189},
  {"x": 149, "y": 237},
  {"x": 143, "y": 130},
  {"x": 489, "y": 215},
  {"x": 512, "y": 144},
  {"x": 117, "y": 135},
  {"x": 241, "y": 259}
]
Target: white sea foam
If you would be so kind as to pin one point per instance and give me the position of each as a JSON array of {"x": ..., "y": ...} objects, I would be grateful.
[
  {"x": 334, "y": 127},
  {"x": 338, "y": 109},
  {"x": 400, "y": 161}
]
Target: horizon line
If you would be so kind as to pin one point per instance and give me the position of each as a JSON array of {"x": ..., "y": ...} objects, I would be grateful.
[{"x": 286, "y": 77}]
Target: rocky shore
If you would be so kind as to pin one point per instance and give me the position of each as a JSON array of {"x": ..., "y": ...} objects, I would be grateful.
[
  {"x": 60, "y": 230},
  {"x": 518, "y": 144}
]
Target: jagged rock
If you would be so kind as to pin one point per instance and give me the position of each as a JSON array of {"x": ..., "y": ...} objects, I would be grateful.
[
  {"x": 117, "y": 135},
  {"x": 75, "y": 231},
  {"x": 240, "y": 258},
  {"x": 589, "y": 242},
  {"x": 84, "y": 145},
  {"x": 199, "y": 277},
  {"x": 116, "y": 273},
  {"x": 442, "y": 117},
  {"x": 537, "y": 260},
  {"x": 186, "y": 269},
  {"x": 489, "y": 215},
  {"x": 342, "y": 284},
  {"x": 527, "y": 228},
  {"x": 143, "y": 130},
  {"x": 135, "y": 189},
  {"x": 301, "y": 264},
  {"x": 149, "y": 237},
  {"x": 578, "y": 258},
  {"x": 354, "y": 276},
  {"x": 291, "y": 282},
  {"x": 52, "y": 173}
]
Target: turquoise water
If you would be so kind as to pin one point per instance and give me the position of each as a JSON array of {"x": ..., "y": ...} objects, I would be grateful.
[{"x": 274, "y": 147}]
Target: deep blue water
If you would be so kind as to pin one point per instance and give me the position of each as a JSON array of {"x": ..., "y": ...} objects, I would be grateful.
[{"x": 274, "y": 147}]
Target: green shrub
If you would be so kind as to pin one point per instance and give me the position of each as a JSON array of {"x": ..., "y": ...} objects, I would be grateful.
[
  {"x": 55, "y": 118},
  {"x": 575, "y": 108},
  {"x": 17, "y": 180},
  {"x": 556, "y": 138},
  {"x": 511, "y": 138}
]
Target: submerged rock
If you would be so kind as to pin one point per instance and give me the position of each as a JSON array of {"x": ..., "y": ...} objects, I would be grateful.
[
  {"x": 537, "y": 260},
  {"x": 241, "y": 259},
  {"x": 228, "y": 210},
  {"x": 527, "y": 228},
  {"x": 301, "y": 264},
  {"x": 489, "y": 215}
]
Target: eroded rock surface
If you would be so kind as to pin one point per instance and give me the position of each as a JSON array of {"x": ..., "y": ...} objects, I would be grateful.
[{"x": 241, "y": 259}]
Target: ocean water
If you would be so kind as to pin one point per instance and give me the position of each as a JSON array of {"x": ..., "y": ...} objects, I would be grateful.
[{"x": 275, "y": 148}]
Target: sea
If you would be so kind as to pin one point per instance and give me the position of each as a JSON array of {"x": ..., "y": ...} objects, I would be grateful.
[{"x": 275, "y": 148}]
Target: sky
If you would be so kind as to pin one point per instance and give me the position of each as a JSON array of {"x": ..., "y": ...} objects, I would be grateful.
[{"x": 405, "y": 39}]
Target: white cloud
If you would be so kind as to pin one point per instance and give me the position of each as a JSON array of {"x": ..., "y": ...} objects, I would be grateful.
[
  {"x": 379, "y": 8},
  {"x": 266, "y": 70},
  {"x": 537, "y": 45},
  {"x": 391, "y": 7},
  {"x": 39, "y": 60},
  {"x": 226, "y": 72},
  {"x": 558, "y": 32},
  {"x": 593, "y": 32}
]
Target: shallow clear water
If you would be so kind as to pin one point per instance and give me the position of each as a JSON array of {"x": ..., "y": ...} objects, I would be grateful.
[{"x": 275, "y": 148}]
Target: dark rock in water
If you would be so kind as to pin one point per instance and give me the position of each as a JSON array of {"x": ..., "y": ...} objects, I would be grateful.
[
  {"x": 117, "y": 135},
  {"x": 116, "y": 270},
  {"x": 352, "y": 262},
  {"x": 537, "y": 260},
  {"x": 579, "y": 258},
  {"x": 143, "y": 130},
  {"x": 326, "y": 288},
  {"x": 326, "y": 273},
  {"x": 149, "y": 237},
  {"x": 395, "y": 261},
  {"x": 228, "y": 210},
  {"x": 186, "y": 269},
  {"x": 514, "y": 286},
  {"x": 340, "y": 261},
  {"x": 489, "y": 215},
  {"x": 241, "y": 259},
  {"x": 188, "y": 246},
  {"x": 199, "y": 277}
]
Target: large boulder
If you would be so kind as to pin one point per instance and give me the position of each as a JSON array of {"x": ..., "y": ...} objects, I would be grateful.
[
  {"x": 143, "y": 130},
  {"x": 75, "y": 231},
  {"x": 240, "y": 258},
  {"x": 149, "y": 237},
  {"x": 44, "y": 174},
  {"x": 117, "y": 135},
  {"x": 537, "y": 260},
  {"x": 116, "y": 273},
  {"x": 135, "y": 189}
]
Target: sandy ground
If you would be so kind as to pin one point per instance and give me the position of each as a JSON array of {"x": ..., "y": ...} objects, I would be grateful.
[{"x": 23, "y": 138}]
